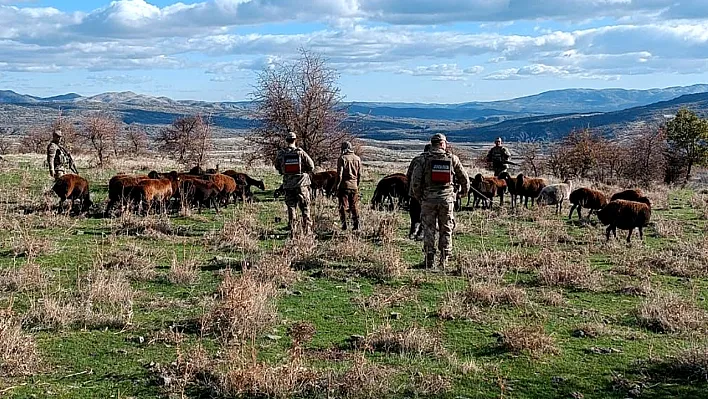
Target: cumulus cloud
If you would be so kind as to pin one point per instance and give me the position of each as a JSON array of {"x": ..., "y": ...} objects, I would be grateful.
[{"x": 442, "y": 71}]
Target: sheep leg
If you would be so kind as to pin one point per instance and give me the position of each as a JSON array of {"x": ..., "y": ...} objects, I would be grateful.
[
  {"x": 469, "y": 198},
  {"x": 501, "y": 200},
  {"x": 629, "y": 236},
  {"x": 641, "y": 233},
  {"x": 572, "y": 209}
]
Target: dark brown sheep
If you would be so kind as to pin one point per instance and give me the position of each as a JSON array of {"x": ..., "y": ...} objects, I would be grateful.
[
  {"x": 625, "y": 215},
  {"x": 388, "y": 188},
  {"x": 510, "y": 188},
  {"x": 529, "y": 188},
  {"x": 323, "y": 182},
  {"x": 587, "y": 198},
  {"x": 244, "y": 183},
  {"x": 120, "y": 189},
  {"x": 486, "y": 187},
  {"x": 200, "y": 192},
  {"x": 628, "y": 195},
  {"x": 73, "y": 187}
]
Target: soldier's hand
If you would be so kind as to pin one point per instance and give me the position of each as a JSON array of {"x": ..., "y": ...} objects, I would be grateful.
[{"x": 51, "y": 174}]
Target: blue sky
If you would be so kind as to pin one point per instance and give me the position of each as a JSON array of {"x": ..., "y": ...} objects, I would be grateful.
[{"x": 385, "y": 50}]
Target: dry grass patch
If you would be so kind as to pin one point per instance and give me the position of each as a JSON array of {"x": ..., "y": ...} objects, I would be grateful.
[
  {"x": 185, "y": 272},
  {"x": 455, "y": 306},
  {"x": 542, "y": 233},
  {"x": 51, "y": 313},
  {"x": 18, "y": 351},
  {"x": 381, "y": 226},
  {"x": 668, "y": 312},
  {"x": 699, "y": 203},
  {"x": 690, "y": 366},
  {"x": 106, "y": 299},
  {"x": 490, "y": 266},
  {"x": 642, "y": 288},
  {"x": 275, "y": 268},
  {"x": 592, "y": 330},
  {"x": 240, "y": 233},
  {"x": 667, "y": 228},
  {"x": 531, "y": 340},
  {"x": 23, "y": 242},
  {"x": 384, "y": 264},
  {"x": 563, "y": 269},
  {"x": 27, "y": 278},
  {"x": 552, "y": 298},
  {"x": 134, "y": 261},
  {"x": 245, "y": 308},
  {"x": 493, "y": 294},
  {"x": 685, "y": 259},
  {"x": 411, "y": 341}
]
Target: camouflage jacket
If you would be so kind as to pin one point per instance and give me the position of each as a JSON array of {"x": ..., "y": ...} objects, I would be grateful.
[
  {"x": 434, "y": 178},
  {"x": 498, "y": 155},
  {"x": 56, "y": 158},
  {"x": 294, "y": 165},
  {"x": 348, "y": 171},
  {"x": 416, "y": 161}
]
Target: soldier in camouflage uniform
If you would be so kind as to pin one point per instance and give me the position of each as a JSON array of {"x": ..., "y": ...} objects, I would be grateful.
[
  {"x": 432, "y": 185},
  {"x": 58, "y": 158},
  {"x": 347, "y": 185},
  {"x": 498, "y": 156},
  {"x": 416, "y": 232},
  {"x": 294, "y": 165}
]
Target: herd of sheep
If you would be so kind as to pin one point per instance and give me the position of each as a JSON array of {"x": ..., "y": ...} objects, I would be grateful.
[{"x": 625, "y": 210}]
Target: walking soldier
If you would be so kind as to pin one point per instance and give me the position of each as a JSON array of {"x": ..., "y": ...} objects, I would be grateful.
[
  {"x": 294, "y": 165},
  {"x": 499, "y": 157},
  {"x": 433, "y": 186},
  {"x": 58, "y": 158},
  {"x": 348, "y": 179}
]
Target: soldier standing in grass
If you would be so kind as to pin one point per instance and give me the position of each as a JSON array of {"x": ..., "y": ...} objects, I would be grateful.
[
  {"x": 58, "y": 158},
  {"x": 498, "y": 156},
  {"x": 432, "y": 185},
  {"x": 417, "y": 232},
  {"x": 294, "y": 165},
  {"x": 348, "y": 179}
]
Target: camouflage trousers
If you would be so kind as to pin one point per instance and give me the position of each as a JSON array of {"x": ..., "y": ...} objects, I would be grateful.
[
  {"x": 348, "y": 201},
  {"x": 298, "y": 198},
  {"x": 436, "y": 215}
]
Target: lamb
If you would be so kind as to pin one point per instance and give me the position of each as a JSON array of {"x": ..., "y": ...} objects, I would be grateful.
[
  {"x": 529, "y": 188},
  {"x": 628, "y": 195},
  {"x": 586, "y": 198},
  {"x": 485, "y": 187},
  {"x": 625, "y": 215},
  {"x": 555, "y": 194}
]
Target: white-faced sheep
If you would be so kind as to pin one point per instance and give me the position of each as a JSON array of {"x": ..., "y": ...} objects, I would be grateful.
[
  {"x": 529, "y": 188},
  {"x": 629, "y": 195},
  {"x": 625, "y": 215},
  {"x": 587, "y": 198},
  {"x": 484, "y": 187},
  {"x": 555, "y": 194}
]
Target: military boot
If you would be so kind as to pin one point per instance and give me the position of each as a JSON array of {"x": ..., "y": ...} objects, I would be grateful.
[{"x": 443, "y": 261}]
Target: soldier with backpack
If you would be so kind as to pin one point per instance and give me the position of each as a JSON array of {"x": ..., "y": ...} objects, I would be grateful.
[
  {"x": 294, "y": 165},
  {"x": 432, "y": 184}
]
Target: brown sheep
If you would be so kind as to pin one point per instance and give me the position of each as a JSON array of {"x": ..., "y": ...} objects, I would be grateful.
[
  {"x": 588, "y": 198},
  {"x": 120, "y": 189},
  {"x": 73, "y": 187},
  {"x": 388, "y": 188},
  {"x": 153, "y": 191},
  {"x": 628, "y": 195},
  {"x": 200, "y": 192},
  {"x": 510, "y": 188},
  {"x": 625, "y": 215},
  {"x": 323, "y": 182},
  {"x": 244, "y": 183},
  {"x": 486, "y": 187},
  {"x": 499, "y": 181},
  {"x": 529, "y": 188}
]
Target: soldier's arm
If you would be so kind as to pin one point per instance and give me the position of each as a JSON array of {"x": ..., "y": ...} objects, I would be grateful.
[
  {"x": 279, "y": 162},
  {"x": 51, "y": 152},
  {"x": 409, "y": 172},
  {"x": 417, "y": 181},
  {"x": 358, "y": 173},
  {"x": 461, "y": 175},
  {"x": 340, "y": 172},
  {"x": 308, "y": 162},
  {"x": 507, "y": 154}
]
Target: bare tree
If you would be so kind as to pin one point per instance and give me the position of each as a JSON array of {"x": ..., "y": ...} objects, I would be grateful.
[
  {"x": 302, "y": 97},
  {"x": 71, "y": 139},
  {"x": 8, "y": 138},
  {"x": 529, "y": 150},
  {"x": 187, "y": 141},
  {"x": 99, "y": 133},
  {"x": 645, "y": 156},
  {"x": 136, "y": 140},
  {"x": 35, "y": 141}
]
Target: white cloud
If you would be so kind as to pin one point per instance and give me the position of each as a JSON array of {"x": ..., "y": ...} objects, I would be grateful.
[{"x": 451, "y": 72}]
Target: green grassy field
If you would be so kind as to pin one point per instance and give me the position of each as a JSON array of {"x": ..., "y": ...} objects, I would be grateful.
[{"x": 224, "y": 305}]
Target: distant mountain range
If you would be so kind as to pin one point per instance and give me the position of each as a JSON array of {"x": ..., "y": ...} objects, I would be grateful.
[{"x": 549, "y": 114}]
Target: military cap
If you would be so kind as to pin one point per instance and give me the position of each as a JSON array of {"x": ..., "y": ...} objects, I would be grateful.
[
  {"x": 58, "y": 133},
  {"x": 346, "y": 146},
  {"x": 291, "y": 136},
  {"x": 438, "y": 138}
]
